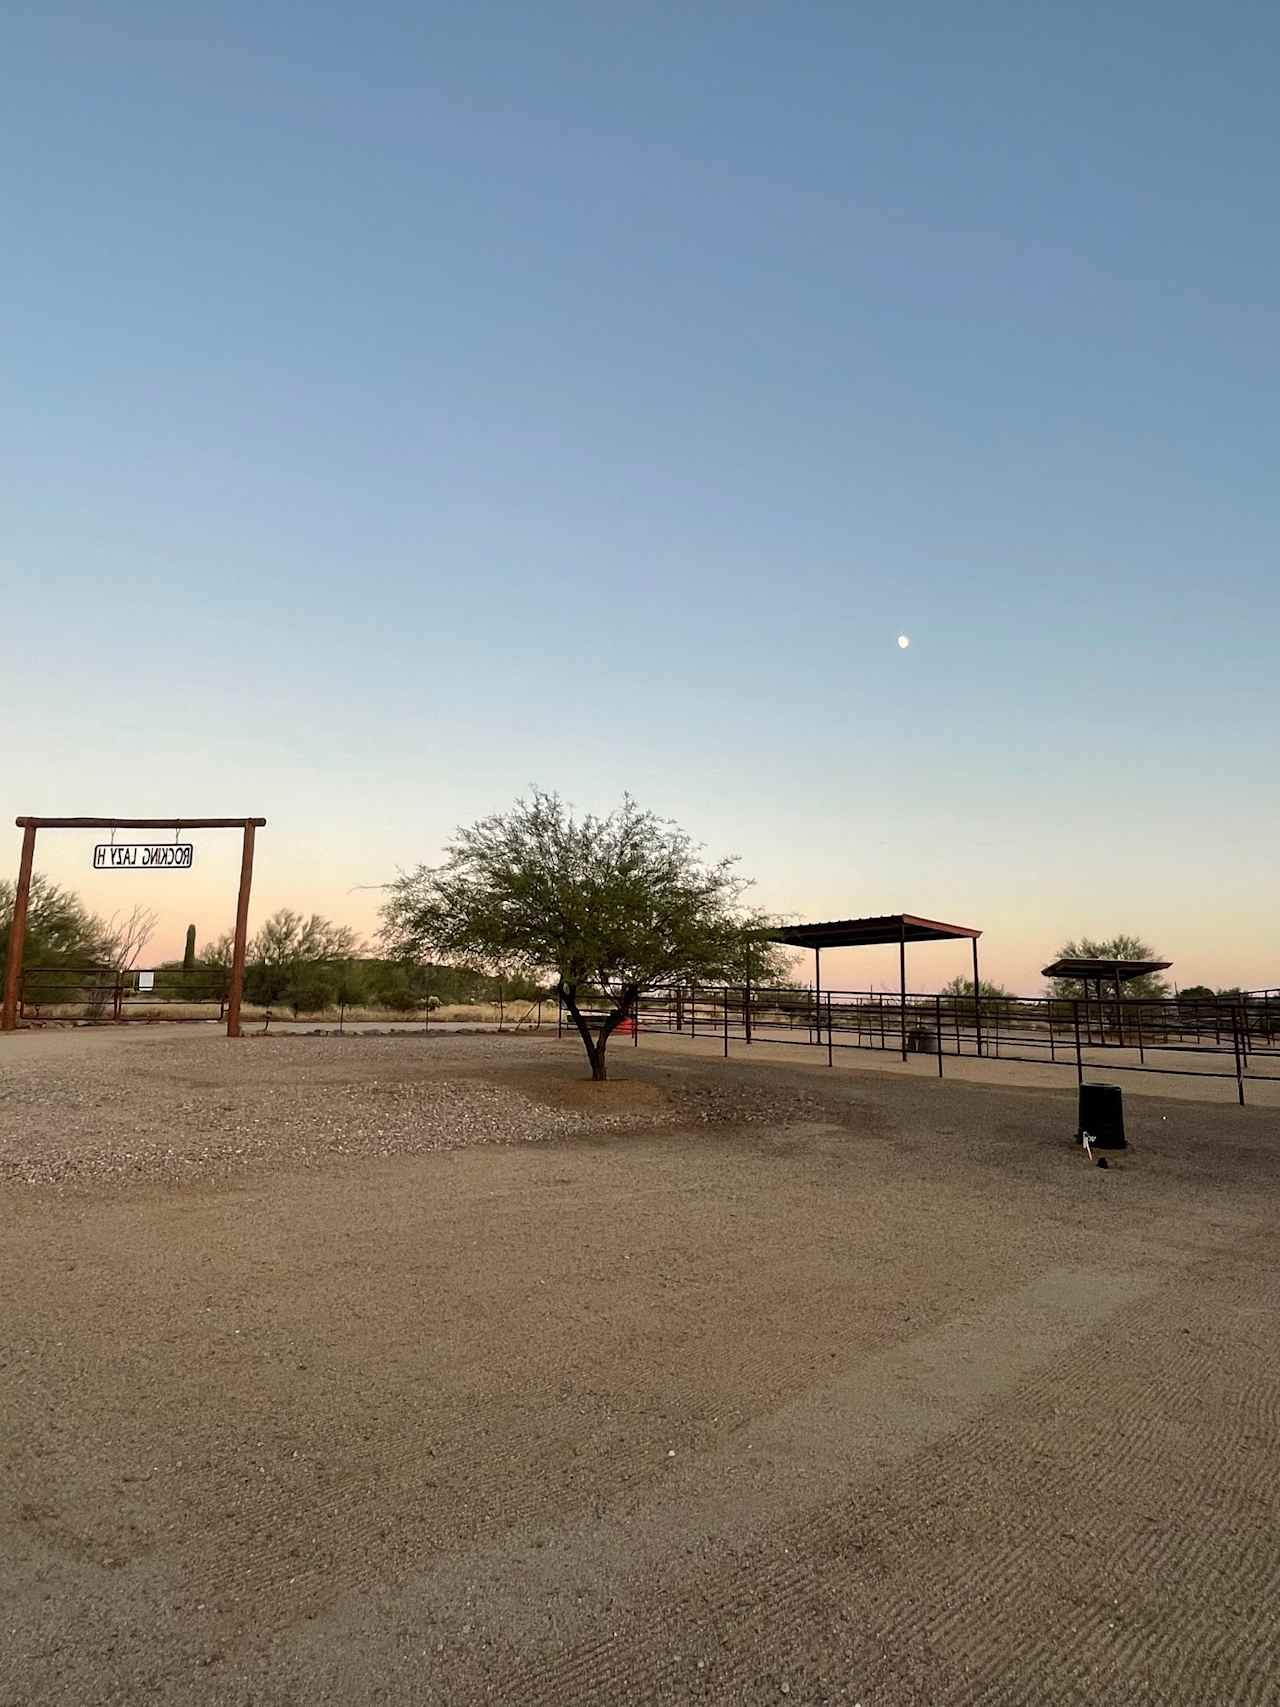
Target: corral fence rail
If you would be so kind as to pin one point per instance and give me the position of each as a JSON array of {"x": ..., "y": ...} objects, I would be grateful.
[
  {"x": 113, "y": 993},
  {"x": 1234, "y": 1037}
]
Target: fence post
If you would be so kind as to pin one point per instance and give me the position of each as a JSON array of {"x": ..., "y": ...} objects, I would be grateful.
[
  {"x": 829, "y": 1060},
  {"x": 937, "y": 1029},
  {"x": 1075, "y": 1013},
  {"x": 1053, "y": 1053},
  {"x": 1235, "y": 1033},
  {"x": 726, "y": 1022},
  {"x": 635, "y": 1025}
]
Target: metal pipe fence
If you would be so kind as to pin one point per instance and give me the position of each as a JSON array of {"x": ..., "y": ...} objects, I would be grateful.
[
  {"x": 110, "y": 993},
  {"x": 1229, "y": 1038}
]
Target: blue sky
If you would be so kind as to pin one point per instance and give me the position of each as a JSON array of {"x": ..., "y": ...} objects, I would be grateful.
[{"x": 401, "y": 404}]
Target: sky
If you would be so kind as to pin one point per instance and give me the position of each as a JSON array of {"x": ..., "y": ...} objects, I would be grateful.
[{"x": 403, "y": 404}]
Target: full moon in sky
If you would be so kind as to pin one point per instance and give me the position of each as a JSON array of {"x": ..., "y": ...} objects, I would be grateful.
[{"x": 904, "y": 640}]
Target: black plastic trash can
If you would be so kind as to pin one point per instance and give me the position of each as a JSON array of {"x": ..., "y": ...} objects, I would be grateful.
[{"x": 1102, "y": 1117}]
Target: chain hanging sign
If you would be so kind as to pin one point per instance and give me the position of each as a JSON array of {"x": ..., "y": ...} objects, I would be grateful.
[{"x": 143, "y": 856}]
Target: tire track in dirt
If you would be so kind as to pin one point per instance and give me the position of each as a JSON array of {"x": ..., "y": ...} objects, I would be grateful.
[
  {"x": 851, "y": 1430},
  {"x": 1210, "y": 1534},
  {"x": 1218, "y": 1532}
]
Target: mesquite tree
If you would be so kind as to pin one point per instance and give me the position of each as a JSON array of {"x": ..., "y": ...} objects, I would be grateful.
[{"x": 622, "y": 904}]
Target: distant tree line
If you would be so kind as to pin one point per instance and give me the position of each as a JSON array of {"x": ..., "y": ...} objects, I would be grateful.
[{"x": 310, "y": 965}]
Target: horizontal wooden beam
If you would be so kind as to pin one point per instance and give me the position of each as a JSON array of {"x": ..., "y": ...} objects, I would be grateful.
[{"x": 138, "y": 823}]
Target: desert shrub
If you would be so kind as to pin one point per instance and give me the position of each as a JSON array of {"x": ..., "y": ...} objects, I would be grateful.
[{"x": 312, "y": 991}]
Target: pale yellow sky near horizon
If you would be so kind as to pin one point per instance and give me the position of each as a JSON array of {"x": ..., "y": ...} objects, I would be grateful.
[{"x": 320, "y": 870}]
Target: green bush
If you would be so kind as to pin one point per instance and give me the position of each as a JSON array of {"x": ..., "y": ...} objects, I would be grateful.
[{"x": 314, "y": 990}]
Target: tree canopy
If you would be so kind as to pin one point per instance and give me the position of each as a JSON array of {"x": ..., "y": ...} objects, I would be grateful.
[
  {"x": 1122, "y": 946},
  {"x": 61, "y": 931},
  {"x": 623, "y": 903},
  {"x": 287, "y": 955},
  {"x": 960, "y": 986}
]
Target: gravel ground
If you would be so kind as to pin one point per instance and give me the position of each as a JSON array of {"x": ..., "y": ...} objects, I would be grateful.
[
  {"x": 79, "y": 1108},
  {"x": 392, "y": 1372}
]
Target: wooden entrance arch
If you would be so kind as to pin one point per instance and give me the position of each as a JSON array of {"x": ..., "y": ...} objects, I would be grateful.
[{"x": 22, "y": 896}]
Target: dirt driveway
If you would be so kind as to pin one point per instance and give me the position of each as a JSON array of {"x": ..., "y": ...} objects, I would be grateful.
[{"x": 409, "y": 1371}]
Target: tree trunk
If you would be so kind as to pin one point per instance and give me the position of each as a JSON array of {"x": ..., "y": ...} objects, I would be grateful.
[
  {"x": 595, "y": 1046},
  {"x": 595, "y": 1052}
]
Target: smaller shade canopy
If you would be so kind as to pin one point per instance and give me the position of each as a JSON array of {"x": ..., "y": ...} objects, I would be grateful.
[
  {"x": 866, "y": 933},
  {"x": 1121, "y": 969}
]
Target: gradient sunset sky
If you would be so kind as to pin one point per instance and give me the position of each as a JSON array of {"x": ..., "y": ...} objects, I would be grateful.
[{"x": 406, "y": 402}]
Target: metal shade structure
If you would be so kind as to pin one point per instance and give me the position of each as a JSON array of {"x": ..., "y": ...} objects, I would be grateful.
[
  {"x": 1112, "y": 969},
  {"x": 883, "y": 929},
  {"x": 1115, "y": 973}
]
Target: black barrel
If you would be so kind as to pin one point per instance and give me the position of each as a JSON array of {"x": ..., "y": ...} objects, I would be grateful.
[{"x": 1102, "y": 1117}]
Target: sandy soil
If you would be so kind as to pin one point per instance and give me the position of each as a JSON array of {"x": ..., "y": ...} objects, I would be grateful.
[{"x": 744, "y": 1385}]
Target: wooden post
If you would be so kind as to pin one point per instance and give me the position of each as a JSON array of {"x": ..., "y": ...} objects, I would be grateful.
[
  {"x": 242, "y": 930},
  {"x": 18, "y": 931}
]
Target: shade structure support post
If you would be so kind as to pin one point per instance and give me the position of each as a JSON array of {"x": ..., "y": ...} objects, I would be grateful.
[
  {"x": 242, "y": 934},
  {"x": 18, "y": 930},
  {"x": 977, "y": 999},
  {"x": 1075, "y": 1014},
  {"x": 817, "y": 993},
  {"x": 902, "y": 986}
]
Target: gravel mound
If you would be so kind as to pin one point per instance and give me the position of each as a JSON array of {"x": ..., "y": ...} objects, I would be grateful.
[{"x": 182, "y": 1106}]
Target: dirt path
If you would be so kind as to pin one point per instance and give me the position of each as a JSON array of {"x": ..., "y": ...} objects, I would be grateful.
[{"x": 734, "y": 1388}]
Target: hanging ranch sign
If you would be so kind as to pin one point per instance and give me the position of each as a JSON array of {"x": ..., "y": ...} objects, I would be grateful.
[{"x": 143, "y": 856}]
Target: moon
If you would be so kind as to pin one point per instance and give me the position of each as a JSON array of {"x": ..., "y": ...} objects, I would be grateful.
[{"x": 904, "y": 640}]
